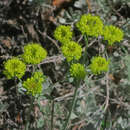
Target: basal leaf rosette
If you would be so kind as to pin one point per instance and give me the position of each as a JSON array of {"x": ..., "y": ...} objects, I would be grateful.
[
  {"x": 14, "y": 68},
  {"x": 112, "y": 34},
  {"x": 63, "y": 33},
  {"x": 33, "y": 85},
  {"x": 99, "y": 65},
  {"x": 72, "y": 51},
  {"x": 34, "y": 53},
  {"x": 90, "y": 25},
  {"x": 77, "y": 71}
]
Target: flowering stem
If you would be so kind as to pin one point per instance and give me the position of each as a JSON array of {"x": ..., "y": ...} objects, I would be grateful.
[
  {"x": 16, "y": 87},
  {"x": 28, "y": 114},
  {"x": 85, "y": 53},
  {"x": 52, "y": 113},
  {"x": 73, "y": 104}
]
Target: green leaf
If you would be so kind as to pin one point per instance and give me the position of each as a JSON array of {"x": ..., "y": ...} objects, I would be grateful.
[{"x": 40, "y": 123}]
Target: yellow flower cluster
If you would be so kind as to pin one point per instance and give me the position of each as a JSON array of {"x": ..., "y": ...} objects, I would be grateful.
[
  {"x": 90, "y": 25},
  {"x": 93, "y": 26},
  {"x": 14, "y": 68},
  {"x": 63, "y": 33},
  {"x": 99, "y": 64},
  {"x": 112, "y": 34},
  {"x": 34, "y": 53},
  {"x": 33, "y": 85},
  {"x": 78, "y": 71},
  {"x": 72, "y": 51}
]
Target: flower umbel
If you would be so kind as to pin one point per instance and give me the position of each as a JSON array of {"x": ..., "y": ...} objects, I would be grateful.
[
  {"x": 63, "y": 33},
  {"x": 33, "y": 85},
  {"x": 77, "y": 71},
  {"x": 90, "y": 25},
  {"x": 71, "y": 51},
  {"x": 112, "y": 34},
  {"x": 99, "y": 65},
  {"x": 34, "y": 53},
  {"x": 14, "y": 68}
]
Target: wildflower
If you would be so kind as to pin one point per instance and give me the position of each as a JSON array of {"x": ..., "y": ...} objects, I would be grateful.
[
  {"x": 99, "y": 65},
  {"x": 112, "y": 34},
  {"x": 63, "y": 33},
  {"x": 77, "y": 71},
  {"x": 34, "y": 53},
  {"x": 71, "y": 51},
  {"x": 90, "y": 25},
  {"x": 14, "y": 68},
  {"x": 33, "y": 85}
]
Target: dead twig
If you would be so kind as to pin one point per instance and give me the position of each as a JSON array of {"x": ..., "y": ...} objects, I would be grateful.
[
  {"x": 52, "y": 40},
  {"x": 25, "y": 35},
  {"x": 81, "y": 37}
]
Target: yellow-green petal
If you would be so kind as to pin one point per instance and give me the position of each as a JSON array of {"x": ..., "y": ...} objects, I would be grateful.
[
  {"x": 90, "y": 25},
  {"x": 98, "y": 65},
  {"x": 72, "y": 51},
  {"x": 112, "y": 34},
  {"x": 63, "y": 33},
  {"x": 14, "y": 68},
  {"x": 34, "y": 53},
  {"x": 33, "y": 85},
  {"x": 77, "y": 71}
]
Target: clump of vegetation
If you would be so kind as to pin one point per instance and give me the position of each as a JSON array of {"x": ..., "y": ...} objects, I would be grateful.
[{"x": 87, "y": 67}]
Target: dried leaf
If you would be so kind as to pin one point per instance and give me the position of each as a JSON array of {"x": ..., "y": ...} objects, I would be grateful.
[
  {"x": 7, "y": 43},
  {"x": 81, "y": 125},
  {"x": 75, "y": 127},
  {"x": 89, "y": 5},
  {"x": 115, "y": 77},
  {"x": 58, "y": 3},
  {"x": 32, "y": 31},
  {"x": 18, "y": 118}
]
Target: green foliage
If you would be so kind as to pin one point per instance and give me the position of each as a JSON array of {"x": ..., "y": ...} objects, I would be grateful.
[
  {"x": 14, "y": 68},
  {"x": 33, "y": 53},
  {"x": 127, "y": 62}
]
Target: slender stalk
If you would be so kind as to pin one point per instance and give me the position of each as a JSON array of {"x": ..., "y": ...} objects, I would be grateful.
[
  {"x": 52, "y": 113},
  {"x": 85, "y": 52},
  {"x": 28, "y": 114},
  {"x": 71, "y": 109},
  {"x": 86, "y": 40},
  {"x": 16, "y": 87}
]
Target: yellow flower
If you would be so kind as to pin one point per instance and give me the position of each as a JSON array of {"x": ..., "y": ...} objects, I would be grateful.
[
  {"x": 63, "y": 34},
  {"x": 14, "y": 68},
  {"x": 77, "y": 71},
  {"x": 71, "y": 51},
  {"x": 90, "y": 25},
  {"x": 99, "y": 65},
  {"x": 33, "y": 85},
  {"x": 34, "y": 53},
  {"x": 112, "y": 34}
]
